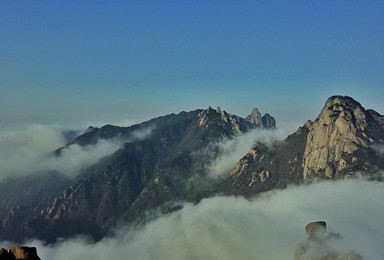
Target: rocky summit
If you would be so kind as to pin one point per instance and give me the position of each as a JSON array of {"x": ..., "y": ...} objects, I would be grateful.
[
  {"x": 266, "y": 121},
  {"x": 165, "y": 161},
  {"x": 341, "y": 143}
]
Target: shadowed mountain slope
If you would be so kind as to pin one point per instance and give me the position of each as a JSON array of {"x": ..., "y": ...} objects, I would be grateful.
[{"x": 154, "y": 169}]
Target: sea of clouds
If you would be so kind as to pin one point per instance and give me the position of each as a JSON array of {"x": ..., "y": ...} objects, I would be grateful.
[{"x": 268, "y": 227}]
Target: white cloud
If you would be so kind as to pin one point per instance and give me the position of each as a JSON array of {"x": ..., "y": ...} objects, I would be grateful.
[
  {"x": 378, "y": 148},
  {"x": 268, "y": 227},
  {"x": 231, "y": 151},
  {"x": 142, "y": 133},
  {"x": 21, "y": 150},
  {"x": 27, "y": 151},
  {"x": 74, "y": 158}
]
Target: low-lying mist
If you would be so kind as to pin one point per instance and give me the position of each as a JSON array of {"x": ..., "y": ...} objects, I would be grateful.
[{"x": 267, "y": 227}]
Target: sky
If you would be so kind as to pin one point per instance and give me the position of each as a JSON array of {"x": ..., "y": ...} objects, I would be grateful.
[{"x": 79, "y": 63}]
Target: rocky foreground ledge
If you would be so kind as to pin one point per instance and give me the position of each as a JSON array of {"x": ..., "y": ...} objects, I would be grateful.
[{"x": 19, "y": 253}]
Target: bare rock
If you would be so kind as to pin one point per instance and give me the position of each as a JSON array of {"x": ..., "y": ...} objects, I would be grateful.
[
  {"x": 5, "y": 255},
  {"x": 24, "y": 253},
  {"x": 268, "y": 121},
  {"x": 342, "y": 129},
  {"x": 214, "y": 119},
  {"x": 254, "y": 117}
]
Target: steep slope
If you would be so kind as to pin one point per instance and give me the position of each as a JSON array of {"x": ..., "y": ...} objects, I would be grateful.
[
  {"x": 268, "y": 167},
  {"x": 144, "y": 174},
  {"x": 342, "y": 142}
]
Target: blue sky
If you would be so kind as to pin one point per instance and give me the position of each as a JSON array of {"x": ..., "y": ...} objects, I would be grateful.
[{"x": 90, "y": 62}]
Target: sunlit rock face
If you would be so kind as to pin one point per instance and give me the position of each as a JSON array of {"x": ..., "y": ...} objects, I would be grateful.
[
  {"x": 219, "y": 121},
  {"x": 340, "y": 138},
  {"x": 344, "y": 141},
  {"x": 19, "y": 253},
  {"x": 266, "y": 121},
  {"x": 254, "y": 117}
]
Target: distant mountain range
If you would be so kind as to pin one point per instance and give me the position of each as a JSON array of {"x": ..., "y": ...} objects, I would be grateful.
[{"x": 165, "y": 161}]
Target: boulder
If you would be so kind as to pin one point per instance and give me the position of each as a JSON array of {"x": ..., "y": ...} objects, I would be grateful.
[
  {"x": 24, "y": 253},
  {"x": 5, "y": 255}
]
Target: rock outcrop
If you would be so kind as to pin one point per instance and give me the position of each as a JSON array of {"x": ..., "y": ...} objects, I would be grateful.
[
  {"x": 254, "y": 117},
  {"x": 19, "y": 253},
  {"x": 339, "y": 140},
  {"x": 342, "y": 142},
  {"x": 266, "y": 121},
  {"x": 316, "y": 246},
  {"x": 216, "y": 119},
  {"x": 5, "y": 255}
]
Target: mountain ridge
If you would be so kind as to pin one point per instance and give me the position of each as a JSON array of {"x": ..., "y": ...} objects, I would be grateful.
[
  {"x": 117, "y": 191},
  {"x": 170, "y": 165}
]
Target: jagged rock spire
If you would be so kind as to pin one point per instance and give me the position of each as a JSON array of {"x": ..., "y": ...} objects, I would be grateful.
[
  {"x": 254, "y": 117},
  {"x": 266, "y": 121}
]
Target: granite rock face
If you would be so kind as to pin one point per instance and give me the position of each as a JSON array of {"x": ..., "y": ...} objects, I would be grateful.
[
  {"x": 254, "y": 117},
  {"x": 215, "y": 120},
  {"x": 339, "y": 140},
  {"x": 344, "y": 141},
  {"x": 266, "y": 121},
  {"x": 19, "y": 253}
]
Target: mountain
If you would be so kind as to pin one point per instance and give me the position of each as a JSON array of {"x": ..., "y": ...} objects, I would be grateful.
[
  {"x": 165, "y": 162},
  {"x": 160, "y": 163},
  {"x": 342, "y": 142},
  {"x": 266, "y": 121}
]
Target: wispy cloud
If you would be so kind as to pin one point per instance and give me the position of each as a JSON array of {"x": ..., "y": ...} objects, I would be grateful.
[
  {"x": 22, "y": 150},
  {"x": 231, "y": 151},
  {"x": 27, "y": 151},
  {"x": 378, "y": 148}
]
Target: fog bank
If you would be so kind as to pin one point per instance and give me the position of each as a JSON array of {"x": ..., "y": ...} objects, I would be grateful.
[{"x": 268, "y": 227}]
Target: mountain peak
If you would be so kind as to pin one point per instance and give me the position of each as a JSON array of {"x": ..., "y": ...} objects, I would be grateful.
[
  {"x": 345, "y": 99},
  {"x": 340, "y": 103},
  {"x": 254, "y": 117},
  {"x": 266, "y": 121},
  {"x": 342, "y": 128}
]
